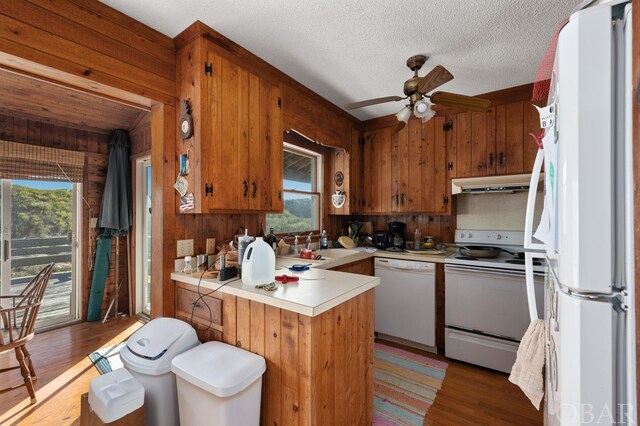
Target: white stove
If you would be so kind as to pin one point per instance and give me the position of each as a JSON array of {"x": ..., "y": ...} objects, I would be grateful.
[
  {"x": 510, "y": 241},
  {"x": 486, "y": 307}
]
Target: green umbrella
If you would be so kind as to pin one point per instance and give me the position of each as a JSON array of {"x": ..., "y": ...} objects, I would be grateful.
[{"x": 114, "y": 220}]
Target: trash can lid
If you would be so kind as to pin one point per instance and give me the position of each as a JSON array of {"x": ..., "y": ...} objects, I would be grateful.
[
  {"x": 218, "y": 368},
  {"x": 151, "y": 349}
]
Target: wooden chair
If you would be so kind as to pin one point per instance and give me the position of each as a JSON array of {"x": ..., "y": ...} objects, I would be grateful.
[{"x": 17, "y": 321}]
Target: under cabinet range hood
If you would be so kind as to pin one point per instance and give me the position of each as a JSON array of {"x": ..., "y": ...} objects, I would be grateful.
[{"x": 491, "y": 184}]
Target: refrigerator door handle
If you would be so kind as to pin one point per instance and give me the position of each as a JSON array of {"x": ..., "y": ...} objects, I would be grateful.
[
  {"x": 531, "y": 292},
  {"x": 531, "y": 203}
]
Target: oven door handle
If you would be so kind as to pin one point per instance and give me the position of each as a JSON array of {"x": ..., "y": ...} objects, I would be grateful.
[
  {"x": 531, "y": 292},
  {"x": 487, "y": 271}
]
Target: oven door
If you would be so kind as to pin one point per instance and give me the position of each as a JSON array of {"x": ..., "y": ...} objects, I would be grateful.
[{"x": 489, "y": 301}]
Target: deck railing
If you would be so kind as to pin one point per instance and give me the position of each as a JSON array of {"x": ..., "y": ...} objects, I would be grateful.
[{"x": 40, "y": 251}]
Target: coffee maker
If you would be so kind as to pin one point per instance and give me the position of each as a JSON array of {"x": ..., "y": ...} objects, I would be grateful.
[{"x": 396, "y": 232}]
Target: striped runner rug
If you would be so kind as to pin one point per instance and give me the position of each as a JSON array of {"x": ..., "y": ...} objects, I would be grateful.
[{"x": 405, "y": 386}]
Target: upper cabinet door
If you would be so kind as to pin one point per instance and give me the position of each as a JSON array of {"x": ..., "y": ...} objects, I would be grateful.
[
  {"x": 236, "y": 150},
  {"x": 495, "y": 142}
]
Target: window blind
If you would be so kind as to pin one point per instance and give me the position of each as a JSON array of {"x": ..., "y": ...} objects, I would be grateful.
[{"x": 24, "y": 161}]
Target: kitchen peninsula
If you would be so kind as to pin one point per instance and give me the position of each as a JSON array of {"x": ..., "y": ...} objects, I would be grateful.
[{"x": 315, "y": 334}]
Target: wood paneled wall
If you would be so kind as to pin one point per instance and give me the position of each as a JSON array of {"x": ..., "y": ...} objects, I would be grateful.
[
  {"x": 441, "y": 227},
  {"x": 88, "y": 39},
  {"x": 95, "y": 147},
  {"x": 92, "y": 47}
]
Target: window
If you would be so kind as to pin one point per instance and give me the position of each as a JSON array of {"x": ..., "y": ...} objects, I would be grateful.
[{"x": 301, "y": 192}]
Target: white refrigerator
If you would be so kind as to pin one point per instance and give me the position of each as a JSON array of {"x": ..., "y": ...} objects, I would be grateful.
[{"x": 586, "y": 229}]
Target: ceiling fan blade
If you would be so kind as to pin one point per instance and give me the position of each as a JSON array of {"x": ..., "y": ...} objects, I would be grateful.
[
  {"x": 399, "y": 127},
  {"x": 453, "y": 100},
  {"x": 437, "y": 77},
  {"x": 375, "y": 101}
]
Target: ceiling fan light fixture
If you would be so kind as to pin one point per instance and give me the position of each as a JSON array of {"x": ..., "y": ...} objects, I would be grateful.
[
  {"x": 422, "y": 109},
  {"x": 404, "y": 114}
]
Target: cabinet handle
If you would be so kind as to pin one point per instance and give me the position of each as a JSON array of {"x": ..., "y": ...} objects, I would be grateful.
[
  {"x": 246, "y": 188},
  {"x": 397, "y": 197},
  {"x": 255, "y": 189},
  {"x": 208, "y": 190},
  {"x": 196, "y": 305},
  {"x": 402, "y": 198},
  {"x": 450, "y": 165},
  {"x": 279, "y": 195},
  {"x": 501, "y": 158},
  {"x": 445, "y": 200},
  {"x": 491, "y": 159}
]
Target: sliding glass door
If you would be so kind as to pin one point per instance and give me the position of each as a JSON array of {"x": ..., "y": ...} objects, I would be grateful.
[{"x": 39, "y": 221}]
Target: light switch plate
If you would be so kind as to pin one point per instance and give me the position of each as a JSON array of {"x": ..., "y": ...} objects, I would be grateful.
[
  {"x": 211, "y": 246},
  {"x": 93, "y": 222},
  {"x": 185, "y": 248}
]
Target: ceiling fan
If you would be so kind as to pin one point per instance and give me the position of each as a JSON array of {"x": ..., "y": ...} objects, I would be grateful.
[{"x": 416, "y": 89}]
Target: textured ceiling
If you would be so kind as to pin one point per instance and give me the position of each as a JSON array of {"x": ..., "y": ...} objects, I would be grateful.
[{"x": 354, "y": 50}]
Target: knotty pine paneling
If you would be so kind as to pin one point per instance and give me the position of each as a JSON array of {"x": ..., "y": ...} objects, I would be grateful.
[
  {"x": 319, "y": 369},
  {"x": 90, "y": 40},
  {"x": 441, "y": 227}
]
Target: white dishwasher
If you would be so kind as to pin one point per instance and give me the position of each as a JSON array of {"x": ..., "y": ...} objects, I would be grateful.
[{"x": 406, "y": 300}]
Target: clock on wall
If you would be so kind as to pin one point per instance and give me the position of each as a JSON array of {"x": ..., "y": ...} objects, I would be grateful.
[{"x": 186, "y": 121}]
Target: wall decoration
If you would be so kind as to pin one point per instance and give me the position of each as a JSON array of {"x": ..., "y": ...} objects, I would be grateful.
[{"x": 186, "y": 121}]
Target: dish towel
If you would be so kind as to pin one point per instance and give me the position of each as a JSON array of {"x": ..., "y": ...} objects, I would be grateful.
[{"x": 527, "y": 372}]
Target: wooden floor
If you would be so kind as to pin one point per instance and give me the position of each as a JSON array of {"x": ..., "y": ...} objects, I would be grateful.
[
  {"x": 473, "y": 395},
  {"x": 469, "y": 395},
  {"x": 63, "y": 369}
]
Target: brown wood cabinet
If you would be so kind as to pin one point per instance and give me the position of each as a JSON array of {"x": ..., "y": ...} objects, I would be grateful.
[
  {"x": 319, "y": 369},
  {"x": 236, "y": 150},
  {"x": 406, "y": 172},
  {"x": 496, "y": 142}
]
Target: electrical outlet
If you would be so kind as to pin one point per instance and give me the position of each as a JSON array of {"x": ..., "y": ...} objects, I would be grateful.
[
  {"x": 93, "y": 222},
  {"x": 211, "y": 246},
  {"x": 185, "y": 248}
]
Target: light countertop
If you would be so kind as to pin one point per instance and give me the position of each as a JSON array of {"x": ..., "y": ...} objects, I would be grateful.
[
  {"x": 317, "y": 291},
  {"x": 319, "y": 288}
]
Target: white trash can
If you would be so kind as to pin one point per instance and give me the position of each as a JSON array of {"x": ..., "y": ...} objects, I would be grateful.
[
  {"x": 219, "y": 384},
  {"x": 148, "y": 354}
]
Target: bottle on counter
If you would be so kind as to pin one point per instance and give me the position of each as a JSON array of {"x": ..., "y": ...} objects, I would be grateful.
[
  {"x": 261, "y": 233},
  {"x": 188, "y": 267},
  {"x": 324, "y": 240},
  {"x": 417, "y": 239},
  {"x": 272, "y": 240}
]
